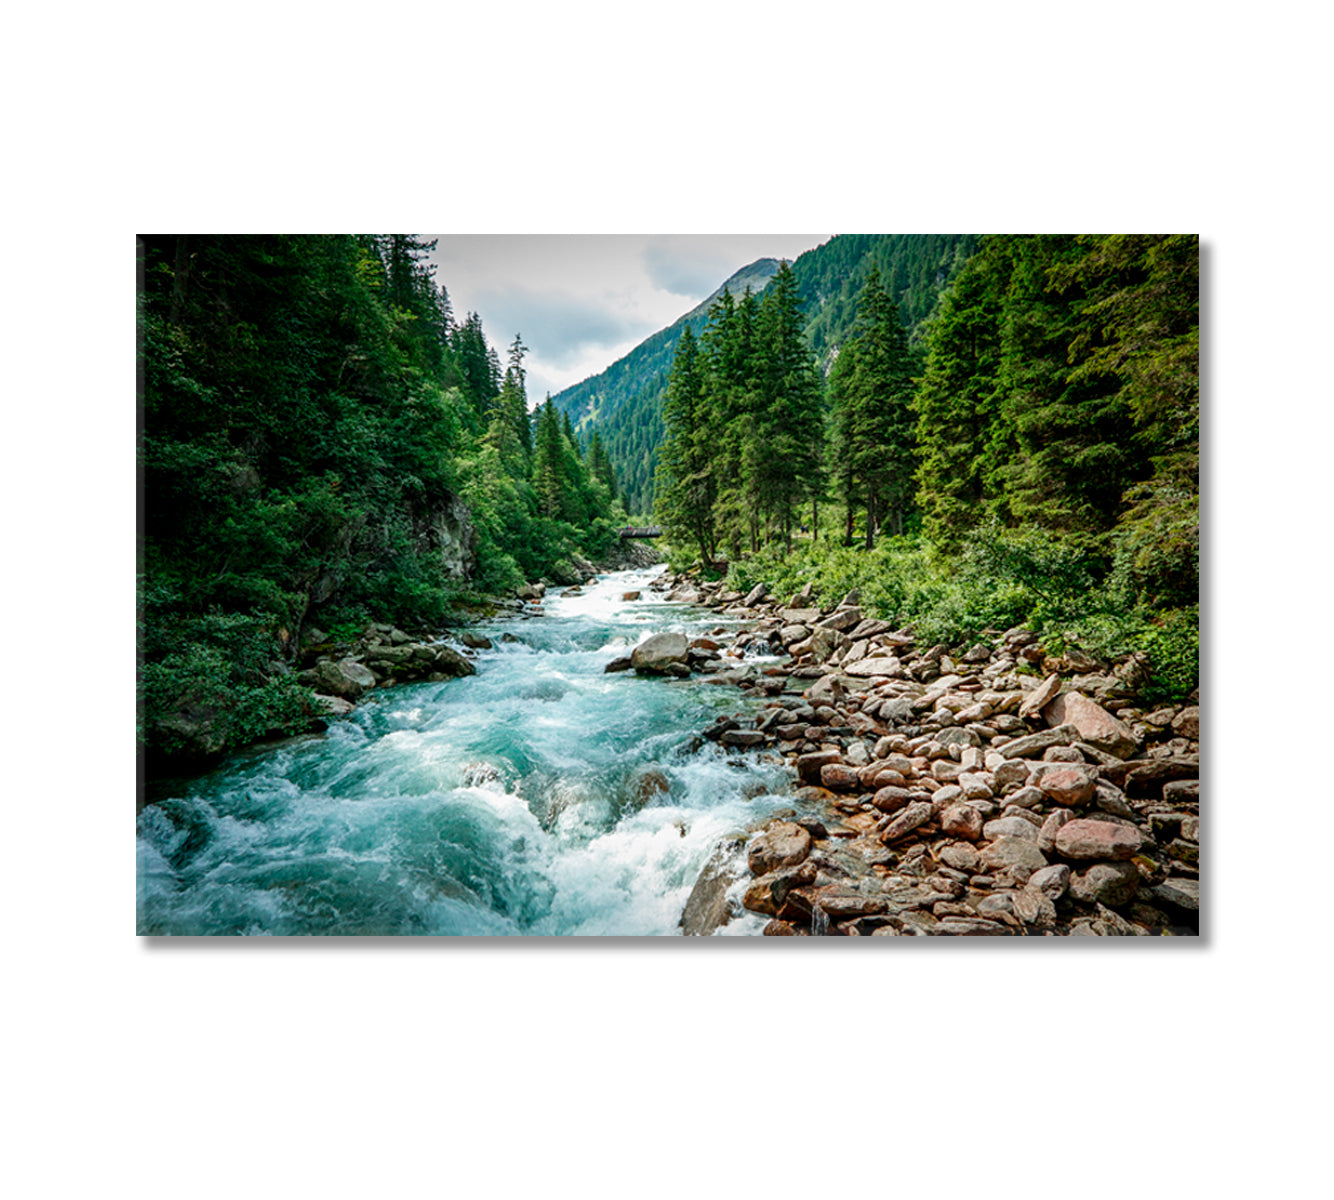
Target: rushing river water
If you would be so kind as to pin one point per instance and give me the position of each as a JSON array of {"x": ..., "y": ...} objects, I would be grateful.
[{"x": 517, "y": 801}]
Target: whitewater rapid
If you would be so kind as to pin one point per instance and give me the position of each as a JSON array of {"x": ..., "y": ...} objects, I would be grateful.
[{"x": 524, "y": 800}]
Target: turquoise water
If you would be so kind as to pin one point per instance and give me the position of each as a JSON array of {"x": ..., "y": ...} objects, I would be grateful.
[{"x": 512, "y": 802}]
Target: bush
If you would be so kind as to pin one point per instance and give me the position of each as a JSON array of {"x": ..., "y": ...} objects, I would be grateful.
[{"x": 999, "y": 579}]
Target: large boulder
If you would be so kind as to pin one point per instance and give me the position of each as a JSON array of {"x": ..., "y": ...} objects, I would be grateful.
[
  {"x": 707, "y": 909},
  {"x": 346, "y": 678},
  {"x": 783, "y": 844},
  {"x": 447, "y": 661},
  {"x": 1094, "y": 723},
  {"x": 660, "y": 652}
]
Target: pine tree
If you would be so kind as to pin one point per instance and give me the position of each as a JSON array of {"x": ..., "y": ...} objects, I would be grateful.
[
  {"x": 957, "y": 400},
  {"x": 874, "y": 420},
  {"x": 787, "y": 432},
  {"x": 685, "y": 481},
  {"x": 550, "y": 482}
]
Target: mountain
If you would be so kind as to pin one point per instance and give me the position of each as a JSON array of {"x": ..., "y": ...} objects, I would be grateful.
[
  {"x": 624, "y": 402},
  {"x": 595, "y": 400}
]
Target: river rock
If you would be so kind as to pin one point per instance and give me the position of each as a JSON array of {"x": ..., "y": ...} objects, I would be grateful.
[
  {"x": 1187, "y": 723},
  {"x": 1007, "y": 852},
  {"x": 1015, "y": 827},
  {"x": 346, "y": 678},
  {"x": 1026, "y": 797},
  {"x": 1093, "y": 723},
  {"x": 769, "y": 894},
  {"x": 1112, "y": 883},
  {"x": 840, "y": 777},
  {"x": 1040, "y": 696},
  {"x": 1051, "y": 827},
  {"x": 660, "y": 652},
  {"x": 961, "y": 857},
  {"x": 334, "y": 706},
  {"x": 742, "y": 738},
  {"x": 962, "y": 820},
  {"x": 630, "y": 595},
  {"x": 1086, "y": 838},
  {"x": 809, "y": 766},
  {"x": 1011, "y": 773},
  {"x": 755, "y": 595},
  {"x": 1034, "y": 907},
  {"x": 1065, "y": 783},
  {"x": 1034, "y": 744},
  {"x": 970, "y": 927},
  {"x": 782, "y": 844},
  {"x": 917, "y": 813},
  {"x": 1180, "y": 893},
  {"x": 1052, "y": 882},
  {"x": 707, "y": 908},
  {"x": 475, "y": 641},
  {"x": 617, "y": 664}
]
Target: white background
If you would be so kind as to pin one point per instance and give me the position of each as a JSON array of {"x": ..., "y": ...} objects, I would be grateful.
[{"x": 904, "y": 1067}]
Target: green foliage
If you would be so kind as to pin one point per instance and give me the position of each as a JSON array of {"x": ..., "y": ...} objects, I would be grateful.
[
  {"x": 219, "y": 670},
  {"x": 1000, "y": 579},
  {"x": 311, "y": 415}
]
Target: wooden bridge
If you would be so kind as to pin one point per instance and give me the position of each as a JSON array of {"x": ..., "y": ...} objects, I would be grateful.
[{"x": 646, "y": 531}]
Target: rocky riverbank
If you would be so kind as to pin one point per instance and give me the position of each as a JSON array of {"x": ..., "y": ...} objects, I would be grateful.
[{"x": 993, "y": 789}]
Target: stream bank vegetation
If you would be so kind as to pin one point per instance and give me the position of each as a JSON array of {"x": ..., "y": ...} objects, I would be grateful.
[
  {"x": 1027, "y": 454},
  {"x": 325, "y": 444}
]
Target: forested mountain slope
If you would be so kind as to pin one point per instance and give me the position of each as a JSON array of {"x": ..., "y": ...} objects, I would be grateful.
[
  {"x": 624, "y": 403},
  {"x": 324, "y": 445},
  {"x": 595, "y": 400}
]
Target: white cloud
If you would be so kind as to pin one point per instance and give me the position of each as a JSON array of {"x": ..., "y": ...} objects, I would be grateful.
[{"x": 582, "y": 301}]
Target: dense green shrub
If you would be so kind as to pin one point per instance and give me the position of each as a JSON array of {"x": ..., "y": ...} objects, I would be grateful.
[{"x": 999, "y": 579}]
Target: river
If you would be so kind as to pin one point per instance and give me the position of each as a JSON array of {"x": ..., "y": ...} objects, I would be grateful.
[{"x": 517, "y": 801}]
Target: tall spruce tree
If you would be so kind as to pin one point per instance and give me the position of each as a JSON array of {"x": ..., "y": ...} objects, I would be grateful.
[
  {"x": 686, "y": 481},
  {"x": 874, "y": 421},
  {"x": 787, "y": 434}
]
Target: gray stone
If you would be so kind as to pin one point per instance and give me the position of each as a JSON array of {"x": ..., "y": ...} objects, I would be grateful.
[
  {"x": 1093, "y": 723},
  {"x": 1012, "y": 772},
  {"x": 976, "y": 786},
  {"x": 742, "y": 737},
  {"x": 1182, "y": 893},
  {"x": 707, "y": 909},
  {"x": 1040, "y": 696},
  {"x": 1113, "y": 883},
  {"x": 961, "y": 857},
  {"x": 1015, "y": 827},
  {"x": 333, "y": 706},
  {"x": 1034, "y": 744},
  {"x": 971, "y": 927},
  {"x": 1026, "y": 797},
  {"x": 1187, "y": 723},
  {"x": 1007, "y": 852},
  {"x": 1087, "y": 838},
  {"x": 1033, "y": 906},
  {"x": 662, "y": 650},
  {"x": 1051, "y": 827},
  {"x": 1051, "y": 881}
]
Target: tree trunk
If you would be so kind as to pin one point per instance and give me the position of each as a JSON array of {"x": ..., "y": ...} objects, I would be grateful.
[{"x": 870, "y": 517}]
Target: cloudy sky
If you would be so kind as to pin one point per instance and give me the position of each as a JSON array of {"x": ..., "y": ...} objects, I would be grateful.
[{"x": 583, "y": 301}]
